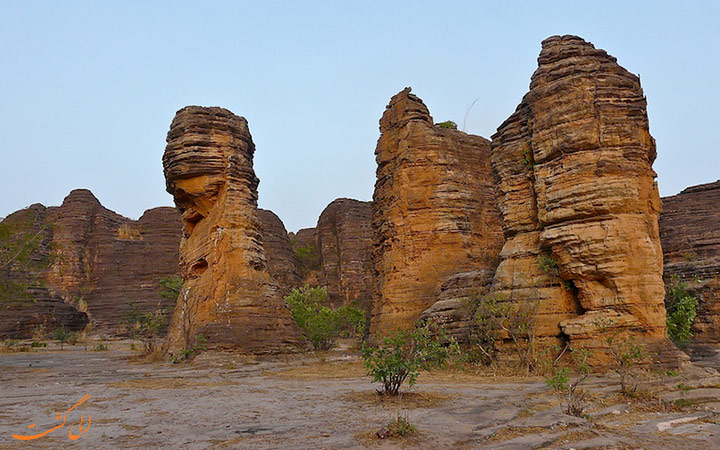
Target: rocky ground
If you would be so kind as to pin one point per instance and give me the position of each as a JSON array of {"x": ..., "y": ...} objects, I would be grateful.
[{"x": 324, "y": 401}]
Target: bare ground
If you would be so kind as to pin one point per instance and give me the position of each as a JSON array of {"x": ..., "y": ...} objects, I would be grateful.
[{"x": 324, "y": 401}]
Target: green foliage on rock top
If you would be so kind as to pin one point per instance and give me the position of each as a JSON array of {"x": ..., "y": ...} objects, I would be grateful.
[{"x": 447, "y": 124}]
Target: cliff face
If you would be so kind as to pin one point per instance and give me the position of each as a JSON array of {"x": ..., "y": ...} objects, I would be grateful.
[
  {"x": 101, "y": 261},
  {"x": 433, "y": 211},
  {"x": 281, "y": 261},
  {"x": 577, "y": 196},
  {"x": 108, "y": 261},
  {"x": 228, "y": 294},
  {"x": 27, "y": 302},
  {"x": 690, "y": 235},
  {"x": 344, "y": 238}
]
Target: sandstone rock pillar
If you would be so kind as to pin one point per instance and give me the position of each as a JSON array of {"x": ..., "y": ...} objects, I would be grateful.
[
  {"x": 433, "y": 211},
  {"x": 578, "y": 197},
  {"x": 228, "y": 295}
]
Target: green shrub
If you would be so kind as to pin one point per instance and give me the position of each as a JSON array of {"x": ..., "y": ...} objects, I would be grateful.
[
  {"x": 322, "y": 325},
  {"x": 565, "y": 381},
  {"x": 548, "y": 265},
  {"x": 145, "y": 327},
  {"x": 498, "y": 318},
  {"x": 170, "y": 287},
  {"x": 681, "y": 311},
  {"x": 61, "y": 336},
  {"x": 403, "y": 354},
  {"x": 401, "y": 426},
  {"x": 447, "y": 124},
  {"x": 191, "y": 352},
  {"x": 627, "y": 355}
]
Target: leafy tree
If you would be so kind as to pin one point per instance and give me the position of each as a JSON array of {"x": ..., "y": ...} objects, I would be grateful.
[
  {"x": 21, "y": 237},
  {"x": 402, "y": 355},
  {"x": 447, "y": 124},
  {"x": 681, "y": 311},
  {"x": 322, "y": 325}
]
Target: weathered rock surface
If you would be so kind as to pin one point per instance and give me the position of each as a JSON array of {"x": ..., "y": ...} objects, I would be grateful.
[
  {"x": 344, "y": 236},
  {"x": 453, "y": 309},
  {"x": 108, "y": 261},
  {"x": 576, "y": 189},
  {"x": 690, "y": 235},
  {"x": 228, "y": 294},
  {"x": 102, "y": 261},
  {"x": 27, "y": 303},
  {"x": 434, "y": 213},
  {"x": 280, "y": 256}
]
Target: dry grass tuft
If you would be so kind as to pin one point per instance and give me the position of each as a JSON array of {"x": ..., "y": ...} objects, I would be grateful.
[
  {"x": 320, "y": 370},
  {"x": 406, "y": 400}
]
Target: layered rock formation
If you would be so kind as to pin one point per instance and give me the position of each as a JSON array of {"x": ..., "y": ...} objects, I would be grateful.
[
  {"x": 281, "y": 262},
  {"x": 577, "y": 196},
  {"x": 101, "y": 262},
  {"x": 690, "y": 235},
  {"x": 433, "y": 211},
  {"x": 108, "y": 261},
  {"x": 337, "y": 253},
  {"x": 26, "y": 302},
  {"x": 344, "y": 236},
  {"x": 228, "y": 294}
]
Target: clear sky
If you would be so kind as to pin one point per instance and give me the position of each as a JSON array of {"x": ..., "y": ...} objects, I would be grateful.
[{"x": 88, "y": 89}]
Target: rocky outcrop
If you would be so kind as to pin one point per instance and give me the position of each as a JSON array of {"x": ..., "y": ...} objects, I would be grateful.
[
  {"x": 102, "y": 261},
  {"x": 690, "y": 235},
  {"x": 344, "y": 237},
  {"x": 578, "y": 199},
  {"x": 280, "y": 256},
  {"x": 454, "y": 309},
  {"x": 109, "y": 261},
  {"x": 26, "y": 303},
  {"x": 228, "y": 294},
  {"x": 434, "y": 213}
]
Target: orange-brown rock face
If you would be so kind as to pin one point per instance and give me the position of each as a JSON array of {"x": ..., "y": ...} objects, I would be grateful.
[
  {"x": 107, "y": 260},
  {"x": 690, "y": 235},
  {"x": 576, "y": 189},
  {"x": 433, "y": 211},
  {"x": 228, "y": 294}
]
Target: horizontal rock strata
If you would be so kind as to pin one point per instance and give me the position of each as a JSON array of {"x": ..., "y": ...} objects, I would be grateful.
[
  {"x": 434, "y": 213},
  {"x": 578, "y": 199},
  {"x": 228, "y": 295},
  {"x": 690, "y": 235}
]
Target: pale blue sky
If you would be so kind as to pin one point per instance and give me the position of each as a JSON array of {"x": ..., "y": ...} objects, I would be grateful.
[{"x": 88, "y": 89}]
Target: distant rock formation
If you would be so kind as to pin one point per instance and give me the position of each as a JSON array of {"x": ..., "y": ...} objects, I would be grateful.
[
  {"x": 228, "y": 294},
  {"x": 690, "y": 235},
  {"x": 280, "y": 256},
  {"x": 108, "y": 261},
  {"x": 101, "y": 262},
  {"x": 577, "y": 196},
  {"x": 337, "y": 253},
  {"x": 434, "y": 212},
  {"x": 28, "y": 304}
]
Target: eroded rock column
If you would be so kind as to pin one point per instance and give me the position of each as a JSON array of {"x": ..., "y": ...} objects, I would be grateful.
[
  {"x": 228, "y": 295},
  {"x": 576, "y": 190},
  {"x": 433, "y": 211}
]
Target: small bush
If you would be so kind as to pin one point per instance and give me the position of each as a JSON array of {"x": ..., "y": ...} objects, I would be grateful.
[
  {"x": 322, "y": 325},
  {"x": 627, "y": 356},
  {"x": 497, "y": 318},
  {"x": 447, "y": 124},
  {"x": 100, "y": 347},
  {"x": 170, "y": 287},
  {"x": 565, "y": 381},
  {"x": 548, "y": 265},
  {"x": 145, "y": 327},
  {"x": 681, "y": 312},
  {"x": 403, "y": 354},
  {"x": 189, "y": 353},
  {"x": 400, "y": 426},
  {"x": 61, "y": 336}
]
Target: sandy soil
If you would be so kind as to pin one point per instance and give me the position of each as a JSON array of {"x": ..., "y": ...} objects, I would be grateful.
[{"x": 324, "y": 401}]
